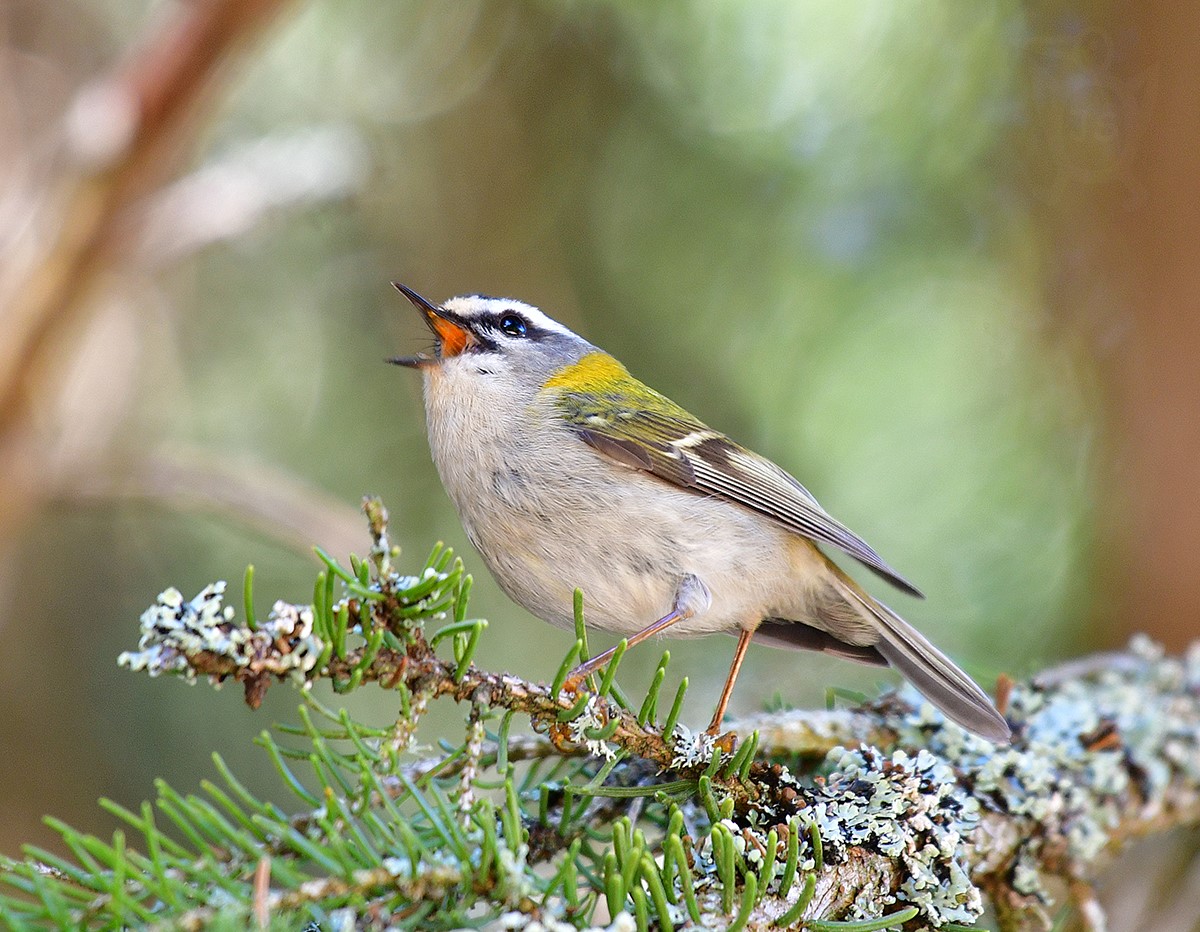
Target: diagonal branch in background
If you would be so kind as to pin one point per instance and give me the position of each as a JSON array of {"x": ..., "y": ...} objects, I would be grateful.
[
  {"x": 130, "y": 132},
  {"x": 243, "y": 492}
]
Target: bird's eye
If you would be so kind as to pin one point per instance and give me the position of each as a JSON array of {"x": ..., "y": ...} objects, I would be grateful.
[{"x": 513, "y": 325}]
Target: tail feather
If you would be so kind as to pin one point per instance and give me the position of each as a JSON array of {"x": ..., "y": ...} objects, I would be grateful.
[
  {"x": 796, "y": 635},
  {"x": 934, "y": 674}
]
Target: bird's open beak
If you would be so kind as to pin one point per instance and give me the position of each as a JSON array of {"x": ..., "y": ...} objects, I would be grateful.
[{"x": 452, "y": 336}]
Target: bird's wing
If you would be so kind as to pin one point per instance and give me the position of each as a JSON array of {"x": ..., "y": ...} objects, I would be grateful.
[{"x": 633, "y": 425}]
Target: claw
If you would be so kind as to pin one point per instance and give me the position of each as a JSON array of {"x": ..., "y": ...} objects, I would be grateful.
[{"x": 574, "y": 681}]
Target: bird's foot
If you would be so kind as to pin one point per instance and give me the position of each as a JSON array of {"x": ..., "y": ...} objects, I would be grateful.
[{"x": 575, "y": 681}]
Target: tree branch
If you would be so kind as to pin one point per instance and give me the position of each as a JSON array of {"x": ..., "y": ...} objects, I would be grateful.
[{"x": 912, "y": 810}]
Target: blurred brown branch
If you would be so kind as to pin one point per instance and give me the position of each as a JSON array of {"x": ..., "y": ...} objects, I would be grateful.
[
  {"x": 242, "y": 492},
  {"x": 126, "y": 134}
]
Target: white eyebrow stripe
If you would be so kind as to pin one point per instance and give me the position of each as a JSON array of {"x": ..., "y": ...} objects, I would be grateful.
[
  {"x": 470, "y": 306},
  {"x": 540, "y": 320}
]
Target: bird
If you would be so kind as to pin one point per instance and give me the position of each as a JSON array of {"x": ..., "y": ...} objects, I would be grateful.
[{"x": 567, "y": 472}]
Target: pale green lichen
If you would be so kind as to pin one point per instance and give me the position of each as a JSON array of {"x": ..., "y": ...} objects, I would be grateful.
[
  {"x": 590, "y": 720},
  {"x": 1086, "y": 747},
  {"x": 174, "y": 630},
  {"x": 691, "y": 747},
  {"x": 909, "y": 808}
]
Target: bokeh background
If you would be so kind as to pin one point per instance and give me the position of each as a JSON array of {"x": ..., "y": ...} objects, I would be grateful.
[{"x": 938, "y": 259}]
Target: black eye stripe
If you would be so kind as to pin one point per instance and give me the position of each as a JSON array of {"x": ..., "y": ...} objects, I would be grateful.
[{"x": 487, "y": 326}]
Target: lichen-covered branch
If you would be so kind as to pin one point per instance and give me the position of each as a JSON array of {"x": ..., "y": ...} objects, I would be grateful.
[{"x": 883, "y": 815}]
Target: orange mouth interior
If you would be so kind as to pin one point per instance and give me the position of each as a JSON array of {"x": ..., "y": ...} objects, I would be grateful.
[{"x": 454, "y": 339}]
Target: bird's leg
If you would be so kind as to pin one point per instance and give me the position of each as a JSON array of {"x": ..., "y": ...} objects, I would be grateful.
[
  {"x": 738, "y": 656},
  {"x": 691, "y": 598}
]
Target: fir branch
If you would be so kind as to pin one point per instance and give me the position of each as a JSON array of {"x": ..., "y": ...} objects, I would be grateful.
[{"x": 810, "y": 821}]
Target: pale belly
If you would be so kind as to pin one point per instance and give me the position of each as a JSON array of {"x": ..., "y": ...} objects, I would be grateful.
[{"x": 627, "y": 540}]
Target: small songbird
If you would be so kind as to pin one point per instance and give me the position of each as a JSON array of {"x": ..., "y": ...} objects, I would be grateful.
[{"x": 568, "y": 472}]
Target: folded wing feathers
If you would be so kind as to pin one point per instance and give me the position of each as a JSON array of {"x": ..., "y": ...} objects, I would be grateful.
[
  {"x": 678, "y": 448},
  {"x": 674, "y": 446}
]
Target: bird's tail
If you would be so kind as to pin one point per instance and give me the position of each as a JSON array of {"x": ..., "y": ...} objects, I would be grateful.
[{"x": 934, "y": 674}]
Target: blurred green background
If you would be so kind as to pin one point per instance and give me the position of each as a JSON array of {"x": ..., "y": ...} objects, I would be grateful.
[{"x": 848, "y": 234}]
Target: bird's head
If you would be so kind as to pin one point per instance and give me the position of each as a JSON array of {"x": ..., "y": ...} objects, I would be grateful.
[{"x": 482, "y": 337}]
